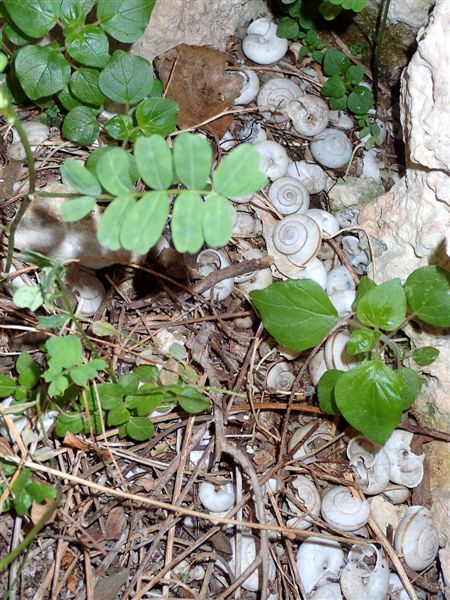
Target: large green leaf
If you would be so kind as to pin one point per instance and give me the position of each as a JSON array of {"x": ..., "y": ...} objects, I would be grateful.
[
  {"x": 239, "y": 174},
  {"x": 186, "y": 223},
  {"x": 370, "y": 399},
  {"x": 145, "y": 222},
  {"x": 83, "y": 85},
  {"x": 157, "y": 115},
  {"x": 360, "y": 100},
  {"x": 113, "y": 172},
  {"x": 217, "y": 221},
  {"x": 42, "y": 71},
  {"x": 110, "y": 395},
  {"x": 80, "y": 179},
  {"x": 65, "y": 351},
  {"x": 333, "y": 87},
  {"x": 126, "y": 79},
  {"x": 81, "y": 126},
  {"x": 33, "y": 17},
  {"x": 154, "y": 161},
  {"x": 192, "y": 156},
  {"x": 428, "y": 293},
  {"x": 384, "y": 306},
  {"x": 335, "y": 62},
  {"x": 412, "y": 382},
  {"x": 124, "y": 20},
  {"x": 297, "y": 313},
  {"x": 108, "y": 232},
  {"x": 89, "y": 46}
]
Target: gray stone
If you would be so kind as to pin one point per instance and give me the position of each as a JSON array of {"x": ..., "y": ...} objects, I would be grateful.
[
  {"x": 411, "y": 12},
  {"x": 353, "y": 192}
]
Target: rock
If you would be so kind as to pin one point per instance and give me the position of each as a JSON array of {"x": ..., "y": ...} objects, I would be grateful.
[
  {"x": 385, "y": 513},
  {"x": 353, "y": 192},
  {"x": 438, "y": 458},
  {"x": 411, "y": 12},
  {"x": 197, "y": 23}
]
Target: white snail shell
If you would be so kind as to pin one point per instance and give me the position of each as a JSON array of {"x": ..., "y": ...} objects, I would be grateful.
[
  {"x": 406, "y": 467},
  {"x": 331, "y": 591},
  {"x": 397, "y": 494},
  {"x": 311, "y": 175},
  {"x": 325, "y": 220},
  {"x": 280, "y": 377},
  {"x": 274, "y": 98},
  {"x": 342, "y": 510},
  {"x": 336, "y": 355},
  {"x": 360, "y": 578},
  {"x": 247, "y": 556},
  {"x": 252, "y": 132},
  {"x": 251, "y": 254},
  {"x": 36, "y": 133},
  {"x": 370, "y": 463},
  {"x": 341, "y": 119},
  {"x": 309, "y": 114},
  {"x": 319, "y": 562},
  {"x": 299, "y": 237},
  {"x": 315, "y": 270},
  {"x": 343, "y": 301},
  {"x": 260, "y": 280},
  {"x": 317, "y": 367},
  {"x": 250, "y": 89},
  {"x": 331, "y": 148},
  {"x": 216, "y": 498},
  {"x": 322, "y": 434},
  {"x": 261, "y": 45},
  {"x": 88, "y": 290},
  {"x": 274, "y": 160},
  {"x": 208, "y": 261},
  {"x": 227, "y": 142},
  {"x": 289, "y": 196},
  {"x": 339, "y": 280},
  {"x": 416, "y": 539},
  {"x": 308, "y": 495}
]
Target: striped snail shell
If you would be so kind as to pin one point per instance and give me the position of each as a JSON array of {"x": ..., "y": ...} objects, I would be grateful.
[{"x": 289, "y": 196}]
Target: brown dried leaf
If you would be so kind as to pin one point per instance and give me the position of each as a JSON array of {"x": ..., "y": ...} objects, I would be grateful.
[
  {"x": 73, "y": 441},
  {"x": 197, "y": 79},
  {"x": 221, "y": 543},
  {"x": 146, "y": 482},
  {"x": 37, "y": 510},
  {"x": 108, "y": 587},
  {"x": 116, "y": 523}
]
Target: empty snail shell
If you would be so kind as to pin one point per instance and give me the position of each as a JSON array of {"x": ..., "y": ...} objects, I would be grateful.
[
  {"x": 245, "y": 223},
  {"x": 331, "y": 591},
  {"x": 216, "y": 498},
  {"x": 250, "y": 89},
  {"x": 315, "y": 270},
  {"x": 319, "y": 562},
  {"x": 397, "y": 494},
  {"x": 416, "y": 539},
  {"x": 250, "y": 254},
  {"x": 252, "y": 132},
  {"x": 261, "y": 45},
  {"x": 341, "y": 119},
  {"x": 331, "y": 148},
  {"x": 370, "y": 463},
  {"x": 317, "y": 367},
  {"x": 209, "y": 260},
  {"x": 322, "y": 434},
  {"x": 343, "y": 301},
  {"x": 274, "y": 97},
  {"x": 339, "y": 280},
  {"x": 274, "y": 160},
  {"x": 325, "y": 220},
  {"x": 362, "y": 577},
  {"x": 336, "y": 355},
  {"x": 88, "y": 290},
  {"x": 36, "y": 133},
  {"x": 299, "y": 237},
  {"x": 342, "y": 510},
  {"x": 289, "y": 196},
  {"x": 309, "y": 497},
  {"x": 280, "y": 377},
  {"x": 309, "y": 114},
  {"x": 311, "y": 175},
  {"x": 260, "y": 280},
  {"x": 406, "y": 467},
  {"x": 248, "y": 549}
]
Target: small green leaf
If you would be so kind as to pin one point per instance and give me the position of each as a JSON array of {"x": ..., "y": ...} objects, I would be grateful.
[
  {"x": 355, "y": 74},
  {"x": 370, "y": 399},
  {"x": 82, "y": 374},
  {"x": 29, "y": 377},
  {"x": 423, "y": 356},
  {"x": 217, "y": 221},
  {"x": 124, "y": 20},
  {"x": 81, "y": 126},
  {"x": 22, "y": 502},
  {"x": 42, "y": 71},
  {"x": 120, "y": 127},
  {"x": 94, "y": 157},
  {"x": 110, "y": 395},
  {"x": 362, "y": 340},
  {"x": 103, "y": 329},
  {"x": 58, "y": 386},
  {"x": 145, "y": 222},
  {"x": 140, "y": 429},
  {"x": 67, "y": 100},
  {"x": 24, "y": 361},
  {"x": 335, "y": 62},
  {"x": 80, "y": 179},
  {"x": 88, "y": 46},
  {"x": 297, "y": 313},
  {"x": 53, "y": 322},
  {"x": 186, "y": 223},
  {"x": 31, "y": 297},
  {"x": 118, "y": 416},
  {"x": 74, "y": 12},
  {"x": 65, "y": 351},
  {"x": 41, "y": 491},
  {"x": 412, "y": 383},
  {"x": 147, "y": 373},
  {"x": 157, "y": 115},
  {"x": 83, "y": 85},
  {"x": 338, "y": 103},
  {"x": 68, "y": 422},
  {"x": 192, "y": 401},
  {"x": 333, "y": 87},
  {"x": 360, "y": 101},
  {"x": 126, "y": 79},
  {"x": 239, "y": 174},
  {"x": 428, "y": 293},
  {"x": 288, "y": 28},
  {"x": 154, "y": 161},
  {"x": 33, "y": 17},
  {"x": 74, "y": 210},
  {"x": 384, "y": 306},
  {"x": 113, "y": 172},
  {"x": 7, "y": 386},
  {"x": 192, "y": 157},
  {"x": 108, "y": 232},
  {"x": 329, "y": 11}
]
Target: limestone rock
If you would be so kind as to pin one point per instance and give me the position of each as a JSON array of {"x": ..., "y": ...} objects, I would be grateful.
[
  {"x": 411, "y": 12},
  {"x": 201, "y": 22},
  {"x": 353, "y": 192}
]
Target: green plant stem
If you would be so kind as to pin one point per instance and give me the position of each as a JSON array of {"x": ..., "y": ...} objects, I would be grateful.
[
  {"x": 378, "y": 44},
  {"x": 27, "y": 540}
]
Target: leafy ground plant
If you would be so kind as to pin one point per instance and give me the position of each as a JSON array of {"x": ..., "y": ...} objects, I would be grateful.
[{"x": 372, "y": 395}]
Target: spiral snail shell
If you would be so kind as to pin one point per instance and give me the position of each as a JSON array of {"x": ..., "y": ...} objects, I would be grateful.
[
  {"x": 88, "y": 290},
  {"x": 250, "y": 88},
  {"x": 299, "y": 237},
  {"x": 261, "y": 44},
  {"x": 416, "y": 539},
  {"x": 311, "y": 175},
  {"x": 274, "y": 97},
  {"x": 209, "y": 260},
  {"x": 342, "y": 510},
  {"x": 289, "y": 196},
  {"x": 319, "y": 562},
  {"x": 309, "y": 114},
  {"x": 274, "y": 159},
  {"x": 331, "y": 148},
  {"x": 280, "y": 377},
  {"x": 307, "y": 493}
]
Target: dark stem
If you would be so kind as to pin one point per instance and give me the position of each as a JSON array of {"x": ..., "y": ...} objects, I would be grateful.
[{"x": 381, "y": 28}]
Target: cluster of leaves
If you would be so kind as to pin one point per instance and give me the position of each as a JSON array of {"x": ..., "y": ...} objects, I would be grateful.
[
  {"x": 136, "y": 220},
  {"x": 373, "y": 395},
  {"x": 24, "y": 489},
  {"x": 82, "y": 74}
]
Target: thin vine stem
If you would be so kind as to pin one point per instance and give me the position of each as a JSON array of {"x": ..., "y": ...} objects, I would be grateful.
[{"x": 378, "y": 44}]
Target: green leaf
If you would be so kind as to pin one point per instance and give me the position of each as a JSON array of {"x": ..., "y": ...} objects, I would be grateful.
[
  {"x": 145, "y": 405},
  {"x": 355, "y": 74},
  {"x": 118, "y": 416},
  {"x": 154, "y": 161},
  {"x": 423, "y": 356},
  {"x": 74, "y": 210},
  {"x": 58, "y": 386},
  {"x": 147, "y": 373},
  {"x": 288, "y": 28},
  {"x": 360, "y": 101},
  {"x": 124, "y": 20},
  {"x": 22, "y": 499},
  {"x": 428, "y": 293},
  {"x": 24, "y": 361},
  {"x": 365, "y": 285},
  {"x": 192, "y": 156},
  {"x": 89, "y": 46},
  {"x": 67, "y": 100},
  {"x": 297, "y": 313},
  {"x": 29, "y": 377},
  {"x": 83, "y": 373},
  {"x": 80, "y": 179},
  {"x": 65, "y": 351},
  {"x": 126, "y": 79},
  {"x": 103, "y": 329},
  {"x": 325, "y": 391},
  {"x": 333, "y": 87},
  {"x": 31, "y": 297},
  {"x": 239, "y": 174},
  {"x": 110, "y": 395},
  {"x": 157, "y": 115},
  {"x": 192, "y": 401},
  {"x": 362, "y": 340},
  {"x": 384, "y": 306},
  {"x": 217, "y": 221},
  {"x": 335, "y": 62},
  {"x": 140, "y": 429},
  {"x": 53, "y": 322},
  {"x": 120, "y": 127},
  {"x": 84, "y": 86},
  {"x": 338, "y": 103},
  {"x": 412, "y": 383},
  {"x": 41, "y": 491},
  {"x": 370, "y": 399},
  {"x": 113, "y": 172},
  {"x": 68, "y": 422},
  {"x": 81, "y": 126},
  {"x": 94, "y": 157},
  {"x": 329, "y": 11},
  {"x": 129, "y": 382},
  {"x": 33, "y": 17},
  {"x": 15, "y": 36},
  {"x": 108, "y": 232},
  {"x": 186, "y": 223},
  {"x": 42, "y": 71},
  {"x": 7, "y": 386},
  {"x": 74, "y": 12},
  {"x": 145, "y": 222}
]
